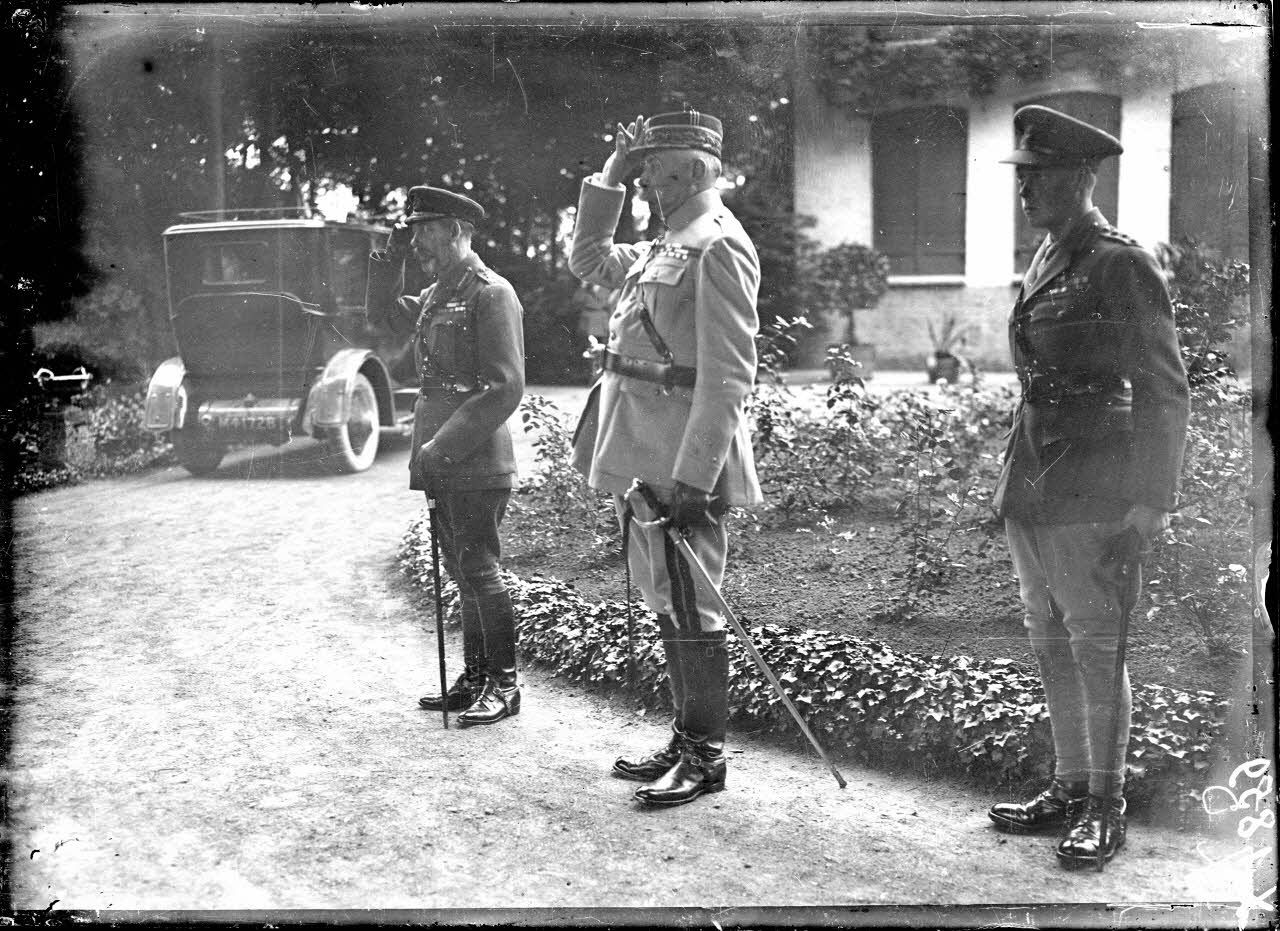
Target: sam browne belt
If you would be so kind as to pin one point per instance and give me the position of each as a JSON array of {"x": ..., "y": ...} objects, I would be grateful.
[
  {"x": 1052, "y": 388},
  {"x": 667, "y": 374}
]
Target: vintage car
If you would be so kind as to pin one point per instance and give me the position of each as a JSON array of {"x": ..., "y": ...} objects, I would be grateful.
[{"x": 268, "y": 310}]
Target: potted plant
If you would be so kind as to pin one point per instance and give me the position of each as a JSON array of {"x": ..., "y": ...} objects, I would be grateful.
[
  {"x": 950, "y": 334},
  {"x": 842, "y": 280}
]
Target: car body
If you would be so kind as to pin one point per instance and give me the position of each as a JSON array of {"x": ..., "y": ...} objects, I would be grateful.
[{"x": 268, "y": 311}]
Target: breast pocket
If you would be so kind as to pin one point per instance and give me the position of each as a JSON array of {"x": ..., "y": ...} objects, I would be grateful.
[{"x": 449, "y": 340}]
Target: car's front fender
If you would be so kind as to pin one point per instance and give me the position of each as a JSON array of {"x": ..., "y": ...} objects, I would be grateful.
[
  {"x": 166, "y": 405},
  {"x": 327, "y": 400}
]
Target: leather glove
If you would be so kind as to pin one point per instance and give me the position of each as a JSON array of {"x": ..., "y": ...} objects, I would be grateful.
[
  {"x": 430, "y": 461},
  {"x": 398, "y": 241},
  {"x": 692, "y": 507}
]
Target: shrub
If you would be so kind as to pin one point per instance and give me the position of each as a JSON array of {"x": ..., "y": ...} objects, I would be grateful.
[
  {"x": 553, "y": 345},
  {"x": 842, "y": 279},
  {"x": 114, "y": 420},
  {"x": 1206, "y": 295},
  {"x": 1204, "y": 567},
  {"x": 557, "y": 495}
]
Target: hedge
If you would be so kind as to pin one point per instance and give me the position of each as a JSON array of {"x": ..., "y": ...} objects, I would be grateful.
[{"x": 867, "y": 700}]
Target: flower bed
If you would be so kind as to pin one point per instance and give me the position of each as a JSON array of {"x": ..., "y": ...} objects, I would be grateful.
[{"x": 883, "y": 706}]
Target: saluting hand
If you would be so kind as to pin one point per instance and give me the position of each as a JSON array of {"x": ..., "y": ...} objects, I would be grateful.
[
  {"x": 399, "y": 239},
  {"x": 618, "y": 163}
]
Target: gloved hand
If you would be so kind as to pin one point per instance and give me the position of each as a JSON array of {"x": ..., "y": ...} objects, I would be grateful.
[
  {"x": 398, "y": 241},
  {"x": 693, "y": 507},
  {"x": 429, "y": 461}
]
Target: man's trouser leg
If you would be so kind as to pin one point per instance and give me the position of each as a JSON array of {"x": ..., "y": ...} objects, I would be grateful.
[
  {"x": 469, "y": 684},
  {"x": 650, "y": 766},
  {"x": 670, "y": 588},
  {"x": 473, "y": 519},
  {"x": 1087, "y": 591}
]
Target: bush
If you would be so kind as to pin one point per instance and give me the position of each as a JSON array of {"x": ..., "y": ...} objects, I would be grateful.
[
  {"x": 842, "y": 279},
  {"x": 552, "y": 344},
  {"x": 114, "y": 420},
  {"x": 1204, "y": 567},
  {"x": 1206, "y": 296},
  {"x": 557, "y": 495}
]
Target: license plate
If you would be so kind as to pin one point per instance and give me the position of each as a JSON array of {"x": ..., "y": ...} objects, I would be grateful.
[{"x": 227, "y": 421}]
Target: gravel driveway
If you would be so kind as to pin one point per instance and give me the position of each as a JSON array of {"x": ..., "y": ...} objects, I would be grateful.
[{"x": 215, "y": 707}]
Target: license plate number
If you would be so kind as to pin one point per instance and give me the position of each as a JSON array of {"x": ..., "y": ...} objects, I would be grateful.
[{"x": 249, "y": 422}]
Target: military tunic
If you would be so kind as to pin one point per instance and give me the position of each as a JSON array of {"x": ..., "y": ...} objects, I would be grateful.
[
  {"x": 469, "y": 349},
  {"x": 1103, "y": 416},
  {"x": 698, "y": 284}
]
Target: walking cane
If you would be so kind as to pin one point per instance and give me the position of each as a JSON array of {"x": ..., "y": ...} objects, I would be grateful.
[
  {"x": 435, "y": 573},
  {"x": 694, "y": 563},
  {"x": 1130, "y": 549}
]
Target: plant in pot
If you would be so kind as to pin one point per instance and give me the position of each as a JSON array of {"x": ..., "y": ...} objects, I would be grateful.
[
  {"x": 841, "y": 280},
  {"x": 949, "y": 335}
]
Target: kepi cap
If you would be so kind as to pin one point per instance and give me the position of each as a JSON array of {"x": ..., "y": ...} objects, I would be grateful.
[
  {"x": 686, "y": 129},
  {"x": 434, "y": 203},
  {"x": 1046, "y": 137}
]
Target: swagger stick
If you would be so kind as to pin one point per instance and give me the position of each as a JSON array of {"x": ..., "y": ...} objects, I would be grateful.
[
  {"x": 692, "y": 560},
  {"x": 435, "y": 575},
  {"x": 1130, "y": 549}
]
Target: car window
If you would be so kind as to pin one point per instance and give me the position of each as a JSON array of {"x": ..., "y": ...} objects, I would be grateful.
[
  {"x": 350, "y": 263},
  {"x": 245, "y": 262}
]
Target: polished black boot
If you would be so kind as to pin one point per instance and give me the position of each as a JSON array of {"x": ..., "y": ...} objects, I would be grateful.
[
  {"x": 466, "y": 689},
  {"x": 1053, "y": 809},
  {"x": 500, "y": 697},
  {"x": 650, "y": 767},
  {"x": 704, "y": 665},
  {"x": 1080, "y": 846}
]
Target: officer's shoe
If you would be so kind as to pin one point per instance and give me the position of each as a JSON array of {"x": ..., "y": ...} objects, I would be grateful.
[
  {"x": 499, "y": 699},
  {"x": 697, "y": 773},
  {"x": 1080, "y": 846},
  {"x": 651, "y": 767},
  {"x": 1053, "y": 809},
  {"x": 464, "y": 693}
]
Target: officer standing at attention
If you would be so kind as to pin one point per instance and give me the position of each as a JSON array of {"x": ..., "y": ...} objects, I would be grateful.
[
  {"x": 669, "y": 410},
  {"x": 1094, "y": 456},
  {"x": 468, "y": 339}
]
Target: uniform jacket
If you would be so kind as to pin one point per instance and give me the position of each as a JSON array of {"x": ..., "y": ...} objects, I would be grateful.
[
  {"x": 1103, "y": 417},
  {"x": 699, "y": 282},
  {"x": 468, "y": 336}
]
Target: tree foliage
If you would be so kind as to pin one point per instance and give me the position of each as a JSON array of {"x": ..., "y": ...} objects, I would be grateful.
[{"x": 867, "y": 68}]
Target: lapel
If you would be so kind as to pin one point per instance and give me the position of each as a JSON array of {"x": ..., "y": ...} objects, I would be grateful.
[
  {"x": 1031, "y": 281},
  {"x": 1063, "y": 252}
]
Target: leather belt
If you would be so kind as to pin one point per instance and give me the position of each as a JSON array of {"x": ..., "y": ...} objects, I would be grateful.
[
  {"x": 447, "y": 384},
  {"x": 667, "y": 374},
  {"x": 1050, "y": 388}
]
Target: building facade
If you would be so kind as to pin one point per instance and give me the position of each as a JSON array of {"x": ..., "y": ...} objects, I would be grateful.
[{"x": 922, "y": 181}]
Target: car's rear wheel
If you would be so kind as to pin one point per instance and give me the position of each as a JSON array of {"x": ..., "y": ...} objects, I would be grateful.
[
  {"x": 197, "y": 453},
  {"x": 353, "y": 445}
]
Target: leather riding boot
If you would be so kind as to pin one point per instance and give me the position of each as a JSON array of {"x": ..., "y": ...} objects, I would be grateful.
[
  {"x": 704, "y": 663},
  {"x": 467, "y": 687},
  {"x": 653, "y": 765},
  {"x": 501, "y": 695},
  {"x": 1054, "y": 808},
  {"x": 1080, "y": 846}
]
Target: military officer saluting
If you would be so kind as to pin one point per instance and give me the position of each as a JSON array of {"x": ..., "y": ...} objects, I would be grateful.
[
  {"x": 669, "y": 410},
  {"x": 1094, "y": 456},
  {"x": 468, "y": 341}
]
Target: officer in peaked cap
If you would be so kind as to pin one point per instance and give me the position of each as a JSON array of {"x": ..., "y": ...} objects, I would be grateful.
[
  {"x": 1091, "y": 469},
  {"x": 668, "y": 409},
  {"x": 468, "y": 341}
]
